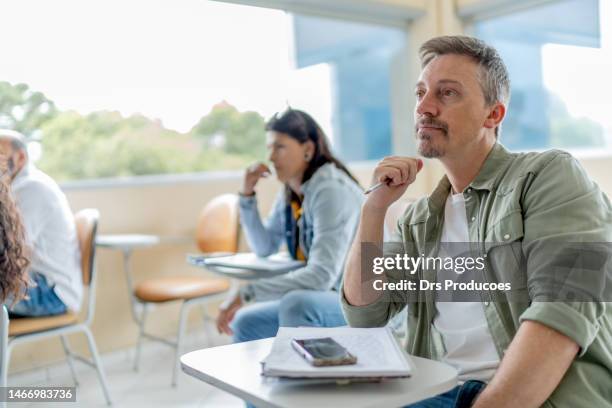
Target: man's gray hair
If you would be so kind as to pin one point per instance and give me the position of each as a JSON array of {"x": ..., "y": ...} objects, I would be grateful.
[
  {"x": 18, "y": 140},
  {"x": 494, "y": 79}
]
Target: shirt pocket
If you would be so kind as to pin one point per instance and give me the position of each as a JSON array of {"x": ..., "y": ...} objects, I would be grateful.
[
  {"x": 507, "y": 229},
  {"x": 506, "y": 262}
]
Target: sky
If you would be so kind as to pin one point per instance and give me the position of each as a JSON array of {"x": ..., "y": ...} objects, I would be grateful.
[{"x": 170, "y": 60}]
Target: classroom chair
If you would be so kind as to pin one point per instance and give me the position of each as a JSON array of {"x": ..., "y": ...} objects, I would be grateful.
[
  {"x": 24, "y": 330},
  {"x": 4, "y": 321},
  {"x": 217, "y": 232}
]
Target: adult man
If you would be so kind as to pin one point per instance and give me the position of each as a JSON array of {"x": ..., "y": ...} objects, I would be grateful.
[
  {"x": 50, "y": 232},
  {"x": 527, "y": 353}
]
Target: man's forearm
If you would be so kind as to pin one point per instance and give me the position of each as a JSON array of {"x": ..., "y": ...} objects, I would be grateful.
[
  {"x": 358, "y": 289},
  {"x": 531, "y": 370}
]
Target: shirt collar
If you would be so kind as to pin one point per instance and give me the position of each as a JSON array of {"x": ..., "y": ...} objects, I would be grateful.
[
  {"x": 487, "y": 178},
  {"x": 24, "y": 172},
  {"x": 490, "y": 173},
  {"x": 323, "y": 172}
]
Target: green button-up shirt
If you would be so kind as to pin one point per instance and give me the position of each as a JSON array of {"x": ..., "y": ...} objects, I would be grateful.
[{"x": 529, "y": 199}]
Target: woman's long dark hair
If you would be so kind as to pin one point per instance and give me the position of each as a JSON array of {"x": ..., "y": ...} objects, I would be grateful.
[
  {"x": 14, "y": 260},
  {"x": 302, "y": 127}
]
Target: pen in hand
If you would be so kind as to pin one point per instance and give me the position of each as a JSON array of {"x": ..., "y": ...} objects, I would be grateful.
[
  {"x": 375, "y": 187},
  {"x": 388, "y": 180}
]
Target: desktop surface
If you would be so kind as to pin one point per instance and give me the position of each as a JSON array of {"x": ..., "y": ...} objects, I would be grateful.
[{"x": 236, "y": 369}]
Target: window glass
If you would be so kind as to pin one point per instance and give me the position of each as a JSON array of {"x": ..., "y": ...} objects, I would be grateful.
[
  {"x": 108, "y": 88},
  {"x": 559, "y": 56},
  {"x": 360, "y": 58}
]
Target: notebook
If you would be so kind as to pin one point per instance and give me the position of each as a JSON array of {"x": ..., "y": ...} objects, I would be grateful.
[
  {"x": 281, "y": 262},
  {"x": 378, "y": 354}
]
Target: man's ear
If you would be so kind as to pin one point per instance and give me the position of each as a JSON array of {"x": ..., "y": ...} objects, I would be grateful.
[
  {"x": 496, "y": 115},
  {"x": 20, "y": 159}
]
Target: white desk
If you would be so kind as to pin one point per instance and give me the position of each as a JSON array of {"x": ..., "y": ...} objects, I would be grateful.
[
  {"x": 259, "y": 270},
  {"x": 235, "y": 275},
  {"x": 236, "y": 369},
  {"x": 241, "y": 274},
  {"x": 127, "y": 243}
]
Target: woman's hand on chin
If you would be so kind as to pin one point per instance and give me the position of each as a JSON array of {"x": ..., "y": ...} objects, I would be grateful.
[{"x": 252, "y": 175}]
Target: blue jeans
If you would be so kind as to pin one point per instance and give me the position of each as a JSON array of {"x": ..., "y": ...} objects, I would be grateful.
[
  {"x": 297, "y": 308},
  {"x": 462, "y": 396},
  {"x": 40, "y": 300}
]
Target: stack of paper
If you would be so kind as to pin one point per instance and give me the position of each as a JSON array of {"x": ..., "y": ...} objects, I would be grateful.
[
  {"x": 378, "y": 354},
  {"x": 248, "y": 261}
]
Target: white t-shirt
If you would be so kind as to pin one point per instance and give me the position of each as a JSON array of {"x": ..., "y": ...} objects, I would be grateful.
[
  {"x": 463, "y": 326},
  {"x": 50, "y": 232}
]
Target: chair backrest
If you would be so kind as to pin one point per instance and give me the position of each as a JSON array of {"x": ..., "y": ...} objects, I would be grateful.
[
  {"x": 218, "y": 225},
  {"x": 87, "y": 225}
]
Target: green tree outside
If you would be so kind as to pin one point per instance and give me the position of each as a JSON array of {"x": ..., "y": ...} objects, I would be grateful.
[
  {"x": 236, "y": 132},
  {"x": 22, "y": 109},
  {"x": 106, "y": 144}
]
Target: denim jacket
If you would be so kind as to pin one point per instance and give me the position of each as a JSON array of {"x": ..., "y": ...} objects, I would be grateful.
[{"x": 330, "y": 215}]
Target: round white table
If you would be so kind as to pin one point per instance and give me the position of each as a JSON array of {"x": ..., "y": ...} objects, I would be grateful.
[
  {"x": 127, "y": 243},
  {"x": 236, "y": 369}
]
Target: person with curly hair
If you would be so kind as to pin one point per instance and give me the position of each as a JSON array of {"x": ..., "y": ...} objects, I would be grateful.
[
  {"x": 50, "y": 233},
  {"x": 13, "y": 251}
]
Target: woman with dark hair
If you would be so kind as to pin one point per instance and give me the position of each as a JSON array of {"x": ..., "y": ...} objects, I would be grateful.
[
  {"x": 315, "y": 215},
  {"x": 13, "y": 260}
]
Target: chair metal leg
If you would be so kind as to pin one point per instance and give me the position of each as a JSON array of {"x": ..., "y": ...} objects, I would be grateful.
[
  {"x": 179, "y": 341},
  {"x": 97, "y": 363},
  {"x": 4, "y": 369},
  {"x": 6, "y": 355},
  {"x": 141, "y": 327},
  {"x": 68, "y": 353},
  {"x": 4, "y": 347}
]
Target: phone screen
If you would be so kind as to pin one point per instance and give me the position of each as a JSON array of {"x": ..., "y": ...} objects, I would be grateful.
[{"x": 324, "y": 348}]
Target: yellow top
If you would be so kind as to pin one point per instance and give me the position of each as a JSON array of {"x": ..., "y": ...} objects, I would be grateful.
[{"x": 296, "y": 208}]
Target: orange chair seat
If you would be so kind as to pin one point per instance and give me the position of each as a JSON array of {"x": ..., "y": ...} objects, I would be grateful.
[
  {"x": 26, "y": 325},
  {"x": 167, "y": 288}
]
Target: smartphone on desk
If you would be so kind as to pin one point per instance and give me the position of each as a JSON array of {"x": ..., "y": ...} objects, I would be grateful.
[{"x": 323, "y": 352}]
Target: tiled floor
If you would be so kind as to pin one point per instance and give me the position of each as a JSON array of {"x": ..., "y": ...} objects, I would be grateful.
[{"x": 150, "y": 387}]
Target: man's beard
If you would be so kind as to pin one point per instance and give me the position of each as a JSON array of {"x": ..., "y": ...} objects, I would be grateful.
[
  {"x": 427, "y": 150},
  {"x": 424, "y": 142}
]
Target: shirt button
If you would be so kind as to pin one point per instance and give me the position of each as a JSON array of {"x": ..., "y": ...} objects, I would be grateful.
[
  {"x": 507, "y": 236},
  {"x": 469, "y": 190},
  {"x": 473, "y": 218}
]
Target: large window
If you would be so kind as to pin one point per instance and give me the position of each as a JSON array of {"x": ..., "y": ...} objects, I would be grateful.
[
  {"x": 360, "y": 58},
  {"x": 560, "y": 57},
  {"x": 111, "y": 88}
]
